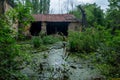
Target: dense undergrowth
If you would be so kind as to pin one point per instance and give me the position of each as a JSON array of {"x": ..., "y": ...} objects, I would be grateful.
[
  {"x": 40, "y": 42},
  {"x": 101, "y": 46},
  {"x": 11, "y": 57}
]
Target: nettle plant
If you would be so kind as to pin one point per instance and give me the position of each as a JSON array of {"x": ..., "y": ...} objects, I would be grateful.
[{"x": 11, "y": 57}]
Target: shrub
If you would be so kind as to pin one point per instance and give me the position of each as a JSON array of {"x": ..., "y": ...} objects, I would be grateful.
[
  {"x": 87, "y": 41},
  {"x": 104, "y": 47},
  {"x": 9, "y": 54},
  {"x": 37, "y": 41},
  {"x": 50, "y": 39},
  {"x": 110, "y": 55},
  {"x": 20, "y": 15}
]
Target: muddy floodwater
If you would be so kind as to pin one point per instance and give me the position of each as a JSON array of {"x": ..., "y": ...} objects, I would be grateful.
[{"x": 57, "y": 64}]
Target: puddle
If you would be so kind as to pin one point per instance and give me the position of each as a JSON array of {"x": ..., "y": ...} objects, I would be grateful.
[{"x": 51, "y": 65}]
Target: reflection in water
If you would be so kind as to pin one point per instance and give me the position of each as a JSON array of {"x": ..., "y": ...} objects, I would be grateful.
[{"x": 55, "y": 67}]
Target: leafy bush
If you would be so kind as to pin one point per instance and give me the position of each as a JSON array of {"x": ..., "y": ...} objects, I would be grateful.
[
  {"x": 37, "y": 41},
  {"x": 111, "y": 55},
  {"x": 104, "y": 45},
  {"x": 11, "y": 58},
  {"x": 40, "y": 42},
  {"x": 22, "y": 17},
  {"x": 87, "y": 41},
  {"x": 50, "y": 39}
]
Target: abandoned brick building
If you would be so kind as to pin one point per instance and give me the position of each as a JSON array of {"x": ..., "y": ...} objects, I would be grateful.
[
  {"x": 54, "y": 23},
  {"x": 48, "y": 23}
]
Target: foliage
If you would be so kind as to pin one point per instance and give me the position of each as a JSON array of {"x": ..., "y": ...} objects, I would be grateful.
[
  {"x": 21, "y": 17},
  {"x": 24, "y": 18},
  {"x": 42, "y": 41},
  {"x": 35, "y": 6},
  {"x": 114, "y": 4},
  {"x": 38, "y": 6},
  {"x": 24, "y": 15},
  {"x": 37, "y": 42},
  {"x": 113, "y": 15},
  {"x": 50, "y": 39},
  {"x": 84, "y": 41},
  {"x": 11, "y": 58},
  {"x": 93, "y": 12},
  {"x": 109, "y": 56},
  {"x": 104, "y": 45},
  {"x": 110, "y": 48}
]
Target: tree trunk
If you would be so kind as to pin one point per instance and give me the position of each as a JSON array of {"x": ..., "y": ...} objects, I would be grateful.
[
  {"x": 2, "y": 7},
  {"x": 84, "y": 22},
  {"x": 5, "y": 5}
]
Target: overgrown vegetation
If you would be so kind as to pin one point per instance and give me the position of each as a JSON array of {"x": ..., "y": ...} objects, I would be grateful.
[
  {"x": 94, "y": 14},
  {"x": 87, "y": 41},
  {"x": 39, "y": 41},
  {"x": 50, "y": 39},
  {"x": 100, "y": 42},
  {"x": 11, "y": 57},
  {"x": 99, "y": 45},
  {"x": 23, "y": 20}
]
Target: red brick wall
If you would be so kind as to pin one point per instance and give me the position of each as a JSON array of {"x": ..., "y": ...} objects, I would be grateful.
[{"x": 74, "y": 27}]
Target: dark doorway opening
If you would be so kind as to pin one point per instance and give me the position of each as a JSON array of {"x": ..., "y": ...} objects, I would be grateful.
[
  {"x": 57, "y": 27},
  {"x": 35, "y": 28}
]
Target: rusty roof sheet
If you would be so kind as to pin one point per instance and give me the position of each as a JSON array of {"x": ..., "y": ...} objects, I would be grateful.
[{"x": 55, "y": 17}]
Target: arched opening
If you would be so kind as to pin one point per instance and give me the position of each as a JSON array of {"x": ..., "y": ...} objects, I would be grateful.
[
  {"x": 35, "y": 28},
  {"x": 57, "y": 27}
]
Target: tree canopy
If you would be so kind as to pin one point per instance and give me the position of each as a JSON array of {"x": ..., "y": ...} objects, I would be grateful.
[
  {"x": 94, "y": 14},
  {"x": 113, "y": 14}
]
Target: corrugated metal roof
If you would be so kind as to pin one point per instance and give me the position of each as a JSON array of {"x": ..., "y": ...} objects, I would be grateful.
[{"x": 55, "y": 17}]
